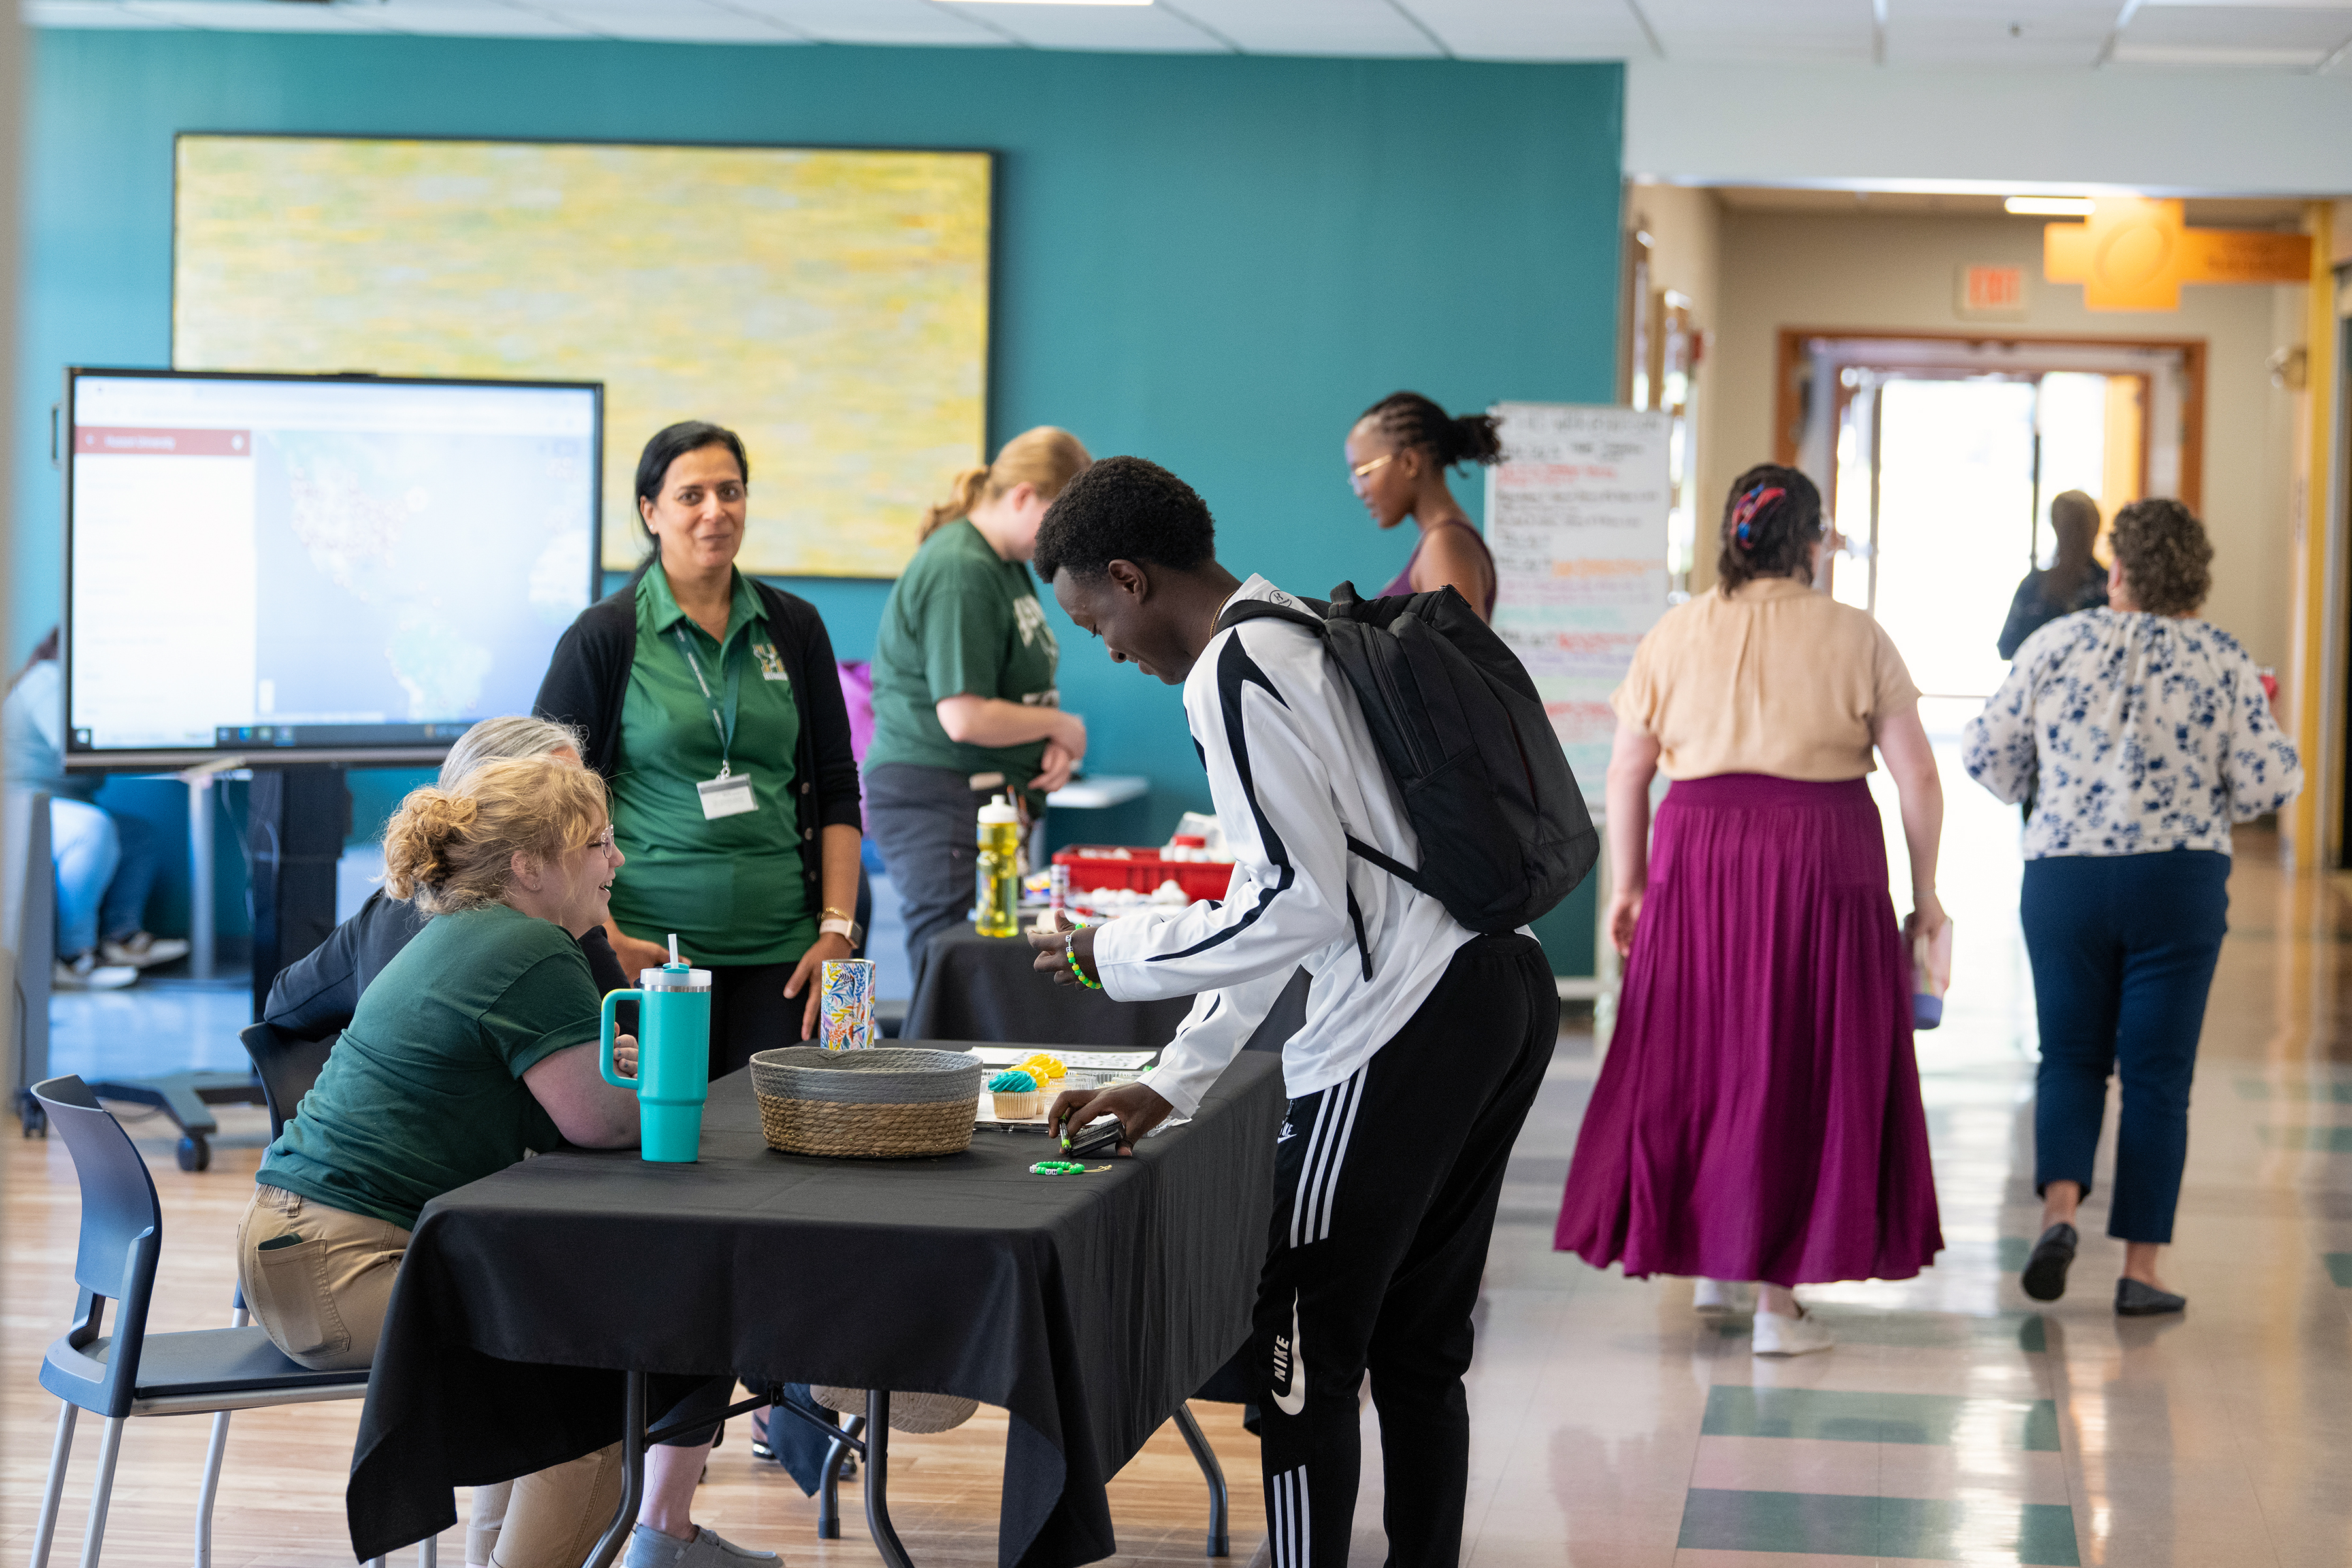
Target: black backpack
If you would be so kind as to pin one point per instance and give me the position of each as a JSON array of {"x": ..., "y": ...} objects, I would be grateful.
[{"x": 1504, "y": 833}]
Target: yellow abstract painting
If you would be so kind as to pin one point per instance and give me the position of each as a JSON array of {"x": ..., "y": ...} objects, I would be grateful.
[{"x": 831, "y": 306}]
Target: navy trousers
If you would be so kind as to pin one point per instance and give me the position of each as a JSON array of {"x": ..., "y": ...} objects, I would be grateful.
[{"x": 2122, "y": 948}]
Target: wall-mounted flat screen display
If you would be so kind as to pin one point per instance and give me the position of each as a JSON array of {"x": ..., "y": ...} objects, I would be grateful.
[{"x": 291, "y": 564}]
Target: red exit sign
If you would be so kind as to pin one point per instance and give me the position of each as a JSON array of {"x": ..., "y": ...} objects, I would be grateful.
[{"x": 1989, "y": 290}]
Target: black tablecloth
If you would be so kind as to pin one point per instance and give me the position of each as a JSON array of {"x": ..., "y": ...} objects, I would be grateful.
[
  {"x": 1089, "y": 1307},
  {"x": 972, "y": 987}
]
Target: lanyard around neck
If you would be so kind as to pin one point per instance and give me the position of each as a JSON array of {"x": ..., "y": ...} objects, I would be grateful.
[{"x": 734, "y": 676}]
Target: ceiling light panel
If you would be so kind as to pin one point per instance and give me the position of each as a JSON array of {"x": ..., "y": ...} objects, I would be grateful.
[
  {"x": 1357, "y": 27},
  {"x": 1534, "y": 29},
  {"x": 1156, "y": 29},
  {"x": 1810, "y": 30},
  {"x": 906, "y": 22}
]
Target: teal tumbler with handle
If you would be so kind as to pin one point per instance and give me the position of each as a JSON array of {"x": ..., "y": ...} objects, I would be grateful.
[{"x": 672, "y": 1056}]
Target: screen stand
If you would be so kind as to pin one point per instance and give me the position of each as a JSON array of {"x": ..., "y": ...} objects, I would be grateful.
[{"x": 296, "y": 821}]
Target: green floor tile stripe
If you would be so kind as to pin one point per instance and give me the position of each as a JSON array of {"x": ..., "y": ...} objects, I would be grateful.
[
  {"x": 1828, "y": 1525},
  {"x": 2339, "y": 1268},
  {"x": 1739, "y": 1410},
  {"x": 2301, "y": 1093},
  {"x": 2318, "y": 1140}
]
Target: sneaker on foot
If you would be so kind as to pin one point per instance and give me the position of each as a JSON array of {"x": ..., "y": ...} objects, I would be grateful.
[
  {"x": 86, "y": 973},
  {"x": 649, "y": 1548},
  {"x": 1801, "y": 1335},
  {"x": 1723, "y": 1296},
  {"x": 141, "y": 950}
]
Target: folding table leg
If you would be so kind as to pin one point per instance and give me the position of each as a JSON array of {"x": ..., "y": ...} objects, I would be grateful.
[
  {"x": 1206, "y": 1458},
  {"x": 428, "y": 1552},
  {"x": 633, "y": 1473},
  {"x": 828, "y": 1488},
  {"x": 55, "y": 1493},
  {"x": 101, "y": 1491},
  {"x": 213, "y": 1457},
  {"x": 878, "y": 1479}
]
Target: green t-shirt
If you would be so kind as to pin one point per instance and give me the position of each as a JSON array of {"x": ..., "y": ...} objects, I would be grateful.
[
  {"x": 424, "y": 1092},
  {"x": 960, "y": 621},
  {"x": 734, "y": 889}
]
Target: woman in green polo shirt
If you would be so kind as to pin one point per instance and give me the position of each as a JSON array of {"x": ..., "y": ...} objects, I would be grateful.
[
  {"x": 712, "y": 707},
  {"x": 964, "y": 702}
]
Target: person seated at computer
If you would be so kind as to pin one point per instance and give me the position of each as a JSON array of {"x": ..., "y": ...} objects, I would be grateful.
[
  {"x": 712, "y": 706},
  {"x": 316, "y": 994},
  {"x": 105, "y": 860},
  {"x": 479, "y": 1040}
]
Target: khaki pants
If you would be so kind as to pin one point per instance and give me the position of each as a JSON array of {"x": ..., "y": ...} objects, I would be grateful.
[{"x": 321, "y": 1298}]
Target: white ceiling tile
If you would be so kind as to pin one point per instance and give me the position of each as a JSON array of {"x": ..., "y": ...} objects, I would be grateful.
[
  {"x": 259, "y": 15},
  {"x": 1533, "y": 30},
  {"x": 1149, "y": 29},
  {"x": 2242, "y": 36},
  {"x": 1360, "y": 27},
  {"x": 473, "y": 19},
  {"x": 85, "y": 13},
  {"x": 1786, "y": 29},
  {"x": 678, "y": 21},
  {"x": 904, "y": 22},
  {"x": 1980, "y": 35},
  {"x": 2345, "y": 5}
]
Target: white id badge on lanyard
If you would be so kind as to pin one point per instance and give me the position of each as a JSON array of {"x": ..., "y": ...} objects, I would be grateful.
[{"x": 728, "y": 795}]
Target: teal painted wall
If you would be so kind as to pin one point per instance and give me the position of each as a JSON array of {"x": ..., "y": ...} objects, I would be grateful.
[{"x": 1212, "y": 261}]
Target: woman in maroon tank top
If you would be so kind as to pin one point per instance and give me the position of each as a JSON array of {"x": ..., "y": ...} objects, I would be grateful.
[{"x": 1398, "y": 456}]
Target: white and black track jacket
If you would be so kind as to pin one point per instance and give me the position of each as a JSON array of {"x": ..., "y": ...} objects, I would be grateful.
[{"x": 1293, "y": 772}]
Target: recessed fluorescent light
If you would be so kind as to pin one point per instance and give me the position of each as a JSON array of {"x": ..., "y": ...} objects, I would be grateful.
[
  {"x": 2050, "y": 207},
  {"x": 1052, "y": 2}
]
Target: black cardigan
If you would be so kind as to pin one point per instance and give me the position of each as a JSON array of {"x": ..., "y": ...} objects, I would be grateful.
[{"x": 589, "y": 676}]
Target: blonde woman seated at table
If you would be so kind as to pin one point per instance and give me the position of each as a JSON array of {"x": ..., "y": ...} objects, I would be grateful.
[{"x": 476, "y": 1045}]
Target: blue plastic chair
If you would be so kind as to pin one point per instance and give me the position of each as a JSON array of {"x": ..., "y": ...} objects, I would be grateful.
[{"x": 131, "y": 1372}]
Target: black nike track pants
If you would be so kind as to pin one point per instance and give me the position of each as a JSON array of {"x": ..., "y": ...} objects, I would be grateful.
[{"x": 1385, "y": 1187}]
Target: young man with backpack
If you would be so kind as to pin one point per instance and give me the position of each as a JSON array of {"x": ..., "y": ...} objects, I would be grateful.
[{"x": 1424, "y": 1040}]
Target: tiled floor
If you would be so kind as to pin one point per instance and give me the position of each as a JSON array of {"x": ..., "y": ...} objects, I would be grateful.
[{"x": 1956, "y": 1421}]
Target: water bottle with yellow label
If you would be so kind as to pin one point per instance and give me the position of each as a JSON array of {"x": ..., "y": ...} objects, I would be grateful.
[{"x": 996, "y": 879}]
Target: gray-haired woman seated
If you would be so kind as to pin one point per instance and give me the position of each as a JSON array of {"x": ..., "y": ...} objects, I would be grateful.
[{"x": 316, "y": 994}]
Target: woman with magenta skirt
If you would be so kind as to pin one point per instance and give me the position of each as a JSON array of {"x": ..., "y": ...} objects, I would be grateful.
[{"x": 1758, "y": 1117}]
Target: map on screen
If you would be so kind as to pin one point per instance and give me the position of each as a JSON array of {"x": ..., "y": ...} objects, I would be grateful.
[
  {"x": 277, "y": 562},
  {"x": 829, "y": 306}
]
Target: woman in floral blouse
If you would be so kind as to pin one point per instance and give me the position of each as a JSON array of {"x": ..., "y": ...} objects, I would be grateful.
[{"x": 2146, "y": 734}]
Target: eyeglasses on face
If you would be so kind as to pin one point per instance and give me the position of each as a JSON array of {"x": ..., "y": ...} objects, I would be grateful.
[{"x": 602, "y": 841}]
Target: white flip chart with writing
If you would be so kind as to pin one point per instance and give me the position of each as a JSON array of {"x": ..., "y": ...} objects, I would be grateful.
[{"x": 1576, "y": 516}]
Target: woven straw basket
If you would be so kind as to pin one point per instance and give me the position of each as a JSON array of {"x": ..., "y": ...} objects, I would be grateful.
[{"x": 889, "y": 1103}]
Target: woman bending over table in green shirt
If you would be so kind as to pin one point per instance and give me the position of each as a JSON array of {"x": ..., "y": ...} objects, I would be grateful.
[
  {"x": 964, "y": 701},
  {"x": 712, "y": 706}
]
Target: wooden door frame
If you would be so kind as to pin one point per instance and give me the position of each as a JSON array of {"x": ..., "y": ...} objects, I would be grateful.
[{"x": 1788, "y": 413}]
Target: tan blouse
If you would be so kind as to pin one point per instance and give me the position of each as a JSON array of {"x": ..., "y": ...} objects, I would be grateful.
[{"x": 1771, "y": 678}]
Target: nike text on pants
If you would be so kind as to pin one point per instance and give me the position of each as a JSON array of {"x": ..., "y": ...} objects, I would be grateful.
[{"x": 1385, "y": 1186}]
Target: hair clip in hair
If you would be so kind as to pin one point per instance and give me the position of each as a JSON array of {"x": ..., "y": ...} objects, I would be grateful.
[{"x": 1744, "y": 513}]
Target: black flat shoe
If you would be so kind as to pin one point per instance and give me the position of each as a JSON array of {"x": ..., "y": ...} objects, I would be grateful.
[
  {"x": 2135, "y": 1299},
  {"x": 2046, "y": 1271}
]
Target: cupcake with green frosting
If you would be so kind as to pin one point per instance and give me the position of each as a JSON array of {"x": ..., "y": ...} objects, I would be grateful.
[{"x": 1015, "y": 1094}]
